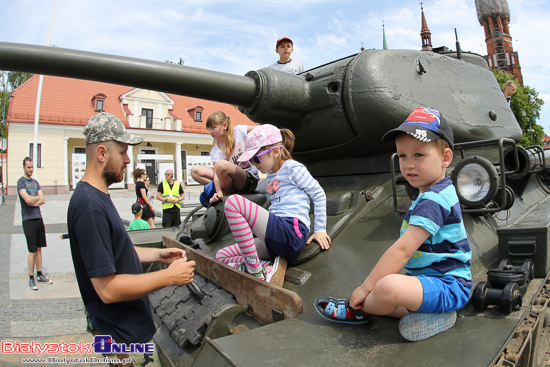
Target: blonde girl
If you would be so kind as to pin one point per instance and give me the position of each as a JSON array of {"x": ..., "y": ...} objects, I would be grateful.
[{"x": 229, "y": 175}]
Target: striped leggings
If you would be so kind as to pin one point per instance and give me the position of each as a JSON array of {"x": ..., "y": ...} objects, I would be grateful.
[{"x": 245, "y": 219}]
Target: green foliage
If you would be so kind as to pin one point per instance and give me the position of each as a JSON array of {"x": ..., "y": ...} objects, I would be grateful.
[
  {"x": 16, "y": 79},
  {"x": 525, "y": 105},
  {"x": 180, "y": 62}
]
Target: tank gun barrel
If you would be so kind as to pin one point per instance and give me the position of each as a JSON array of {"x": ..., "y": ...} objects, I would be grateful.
[{"x": 154, "y": 75}]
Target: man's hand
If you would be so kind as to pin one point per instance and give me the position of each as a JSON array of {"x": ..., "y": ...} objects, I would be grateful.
[
  {"x": 181, "y": 271},
  {"x": 169, "y": 255}
]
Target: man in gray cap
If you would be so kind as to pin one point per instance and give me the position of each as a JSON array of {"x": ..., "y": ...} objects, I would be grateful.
[{"x": 107, "y": 265}]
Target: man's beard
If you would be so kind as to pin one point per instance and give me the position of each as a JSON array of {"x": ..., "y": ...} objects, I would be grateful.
[{"x": 111, "y": 174}]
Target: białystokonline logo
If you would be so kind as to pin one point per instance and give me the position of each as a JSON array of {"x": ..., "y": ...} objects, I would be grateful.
[{"x": 104, "y": 344}]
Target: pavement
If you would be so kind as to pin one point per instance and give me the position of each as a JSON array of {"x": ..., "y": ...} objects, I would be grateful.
[{"x": 55, "y": 312}]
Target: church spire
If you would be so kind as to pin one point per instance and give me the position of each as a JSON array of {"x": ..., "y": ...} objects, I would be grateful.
[
  {"x": 494, "y": 16},
  {"x": 384, "y": 43},
  {"x": 425, "y": 33}
]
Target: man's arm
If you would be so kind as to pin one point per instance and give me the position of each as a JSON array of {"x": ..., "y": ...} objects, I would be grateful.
[
  {"x": 182, "y": 194},
  {"x": 127, "y": 287},
  {"x": 31, "y": 200}
]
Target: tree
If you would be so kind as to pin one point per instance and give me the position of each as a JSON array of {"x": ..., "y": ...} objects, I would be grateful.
[
  {"x": 525, "y": 105},
  {"x": 14, "y": 80},
  {"x": 181, "y": 62},
  {"x": 17, "y": 78}
]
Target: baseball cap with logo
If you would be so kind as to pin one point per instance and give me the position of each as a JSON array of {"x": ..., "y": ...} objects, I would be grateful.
[
  {"x": 105, "y": 126},
  {"x": 136, "y": 208},
  {"x": 283, "y": 39},
  {"x": 259, "y": 137},
  {"x": 425, "y": 124}
]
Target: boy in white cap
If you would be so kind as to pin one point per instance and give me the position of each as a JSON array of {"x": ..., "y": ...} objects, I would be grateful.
[
  {"x": 433, "y": 246},
  {"x": 284, "y": 48}
]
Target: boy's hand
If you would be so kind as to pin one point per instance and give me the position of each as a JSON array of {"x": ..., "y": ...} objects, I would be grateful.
[
  {"x": 357, "y": 298},
  {"x": 322, "y": 238}
]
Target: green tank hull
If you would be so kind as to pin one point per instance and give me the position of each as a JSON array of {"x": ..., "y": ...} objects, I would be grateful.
[{"x": 338, "y": 112}]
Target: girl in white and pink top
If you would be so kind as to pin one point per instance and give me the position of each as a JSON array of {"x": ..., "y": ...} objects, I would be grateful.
[{"x": 229, "y": 175}]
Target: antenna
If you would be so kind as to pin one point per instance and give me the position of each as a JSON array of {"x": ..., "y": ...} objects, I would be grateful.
[{"x": 458, "y": 50}]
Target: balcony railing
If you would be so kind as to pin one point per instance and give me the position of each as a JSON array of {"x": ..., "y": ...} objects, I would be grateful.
[{"x": 166, "y": 123}]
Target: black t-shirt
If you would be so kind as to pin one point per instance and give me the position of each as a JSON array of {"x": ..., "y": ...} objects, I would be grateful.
[
  {"x": 100, "y": 245},
  {"x": 140, "y": 185}
]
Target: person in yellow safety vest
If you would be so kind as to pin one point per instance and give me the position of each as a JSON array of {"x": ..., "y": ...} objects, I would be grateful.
[{"x": 170, "y": 193}]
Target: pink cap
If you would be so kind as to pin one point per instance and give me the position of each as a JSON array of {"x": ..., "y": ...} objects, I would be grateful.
[{"x": 259, "y": 137}]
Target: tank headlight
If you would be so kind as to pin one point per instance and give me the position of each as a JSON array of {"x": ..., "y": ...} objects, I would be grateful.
[{"x": 476, "y": 181}]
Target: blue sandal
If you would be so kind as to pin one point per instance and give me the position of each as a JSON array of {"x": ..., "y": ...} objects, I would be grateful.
[{"x": 338, "y": 310}]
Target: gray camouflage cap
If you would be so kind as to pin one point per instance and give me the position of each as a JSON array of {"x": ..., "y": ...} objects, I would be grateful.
[{"x": 106, "y": 127}]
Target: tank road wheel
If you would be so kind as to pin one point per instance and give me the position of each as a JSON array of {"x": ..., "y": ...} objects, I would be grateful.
[
  {"x": 541, "y": 338},
  {"x": 479, "y": 297},
  {"x": 510, "y": 298},
  {"x": 529, "y": 268}
]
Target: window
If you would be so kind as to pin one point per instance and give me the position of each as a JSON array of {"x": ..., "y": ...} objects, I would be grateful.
[
  {"x": 98, "y": 102},
  {"x": 148, "y": 113},
  {"x": 196, "y": 113},
  {"x": 205, "y": 154},
  {"x": 38, "y": 153},
  {"x": 79, "y": 150}
]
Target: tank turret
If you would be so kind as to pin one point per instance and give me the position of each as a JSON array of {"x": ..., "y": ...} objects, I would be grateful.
[{"x": 338, "y": 111}]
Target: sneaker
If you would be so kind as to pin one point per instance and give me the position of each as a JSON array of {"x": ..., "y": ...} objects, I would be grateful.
[
  {"x": 32, "y": 284},
  {"x": 276, "y": 271},
  {"x": 420, "y": 326},
  {"x": 43, "y": 279},
  {"x": 242, "y": 267}
]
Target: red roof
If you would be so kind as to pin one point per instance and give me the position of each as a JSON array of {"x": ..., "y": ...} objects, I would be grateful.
[{"x": 67, "y": 101}]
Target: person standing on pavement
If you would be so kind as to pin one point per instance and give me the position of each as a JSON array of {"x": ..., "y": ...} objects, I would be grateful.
[
  {"x": 108, "y": 267},
  {"x": 31, "y": 198},
  {"x": 170, "y": 194}
]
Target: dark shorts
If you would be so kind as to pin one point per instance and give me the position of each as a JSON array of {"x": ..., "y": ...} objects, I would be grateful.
[
  {"x": 285, "y": 236},
  {"x": 35, "y": 232},
  {"x": 249, "y": 186},
  {"x": 171, "y": 217}
]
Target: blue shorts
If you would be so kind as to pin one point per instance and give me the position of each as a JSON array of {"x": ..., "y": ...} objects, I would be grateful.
[
  {"x": 285, "y": 236},
  {"x": 442, "y": 294}
]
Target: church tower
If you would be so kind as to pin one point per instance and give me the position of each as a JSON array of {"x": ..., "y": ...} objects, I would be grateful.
[
  {"x": 494, "y": 16},
  {"x": 425, "y": 33}
]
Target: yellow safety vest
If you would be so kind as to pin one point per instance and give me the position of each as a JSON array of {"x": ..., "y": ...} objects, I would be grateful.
[{"x": 173, "y": 193}]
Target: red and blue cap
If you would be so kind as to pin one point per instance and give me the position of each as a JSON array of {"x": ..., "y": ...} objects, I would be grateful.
[
  {"x": 424, "y": 124},
  {"x": 283, "y": 39}
]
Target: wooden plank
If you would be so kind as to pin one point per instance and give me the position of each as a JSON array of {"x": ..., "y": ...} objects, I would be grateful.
[{"x": 262, "y": 297}]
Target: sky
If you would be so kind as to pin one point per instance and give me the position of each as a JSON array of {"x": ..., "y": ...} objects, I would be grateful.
[{"x": 236, "y": 37}]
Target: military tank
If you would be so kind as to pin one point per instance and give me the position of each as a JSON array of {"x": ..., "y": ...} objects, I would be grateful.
[{"x": 339, "y": 112}]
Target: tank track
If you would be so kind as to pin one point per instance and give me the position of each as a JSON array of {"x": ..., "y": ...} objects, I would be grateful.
[{"x": 185, "y": 316}]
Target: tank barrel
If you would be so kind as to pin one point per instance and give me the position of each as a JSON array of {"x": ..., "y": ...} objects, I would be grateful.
[{"x": 154, "y": 75}]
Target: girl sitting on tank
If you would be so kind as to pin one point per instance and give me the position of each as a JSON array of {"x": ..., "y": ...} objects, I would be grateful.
[
  {"x": 229, "y": 175},
  {"x": 282, "y": 231}
]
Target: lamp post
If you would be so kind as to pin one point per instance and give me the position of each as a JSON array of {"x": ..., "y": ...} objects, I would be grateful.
[{"x": 2, "y": 141}]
